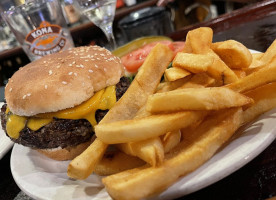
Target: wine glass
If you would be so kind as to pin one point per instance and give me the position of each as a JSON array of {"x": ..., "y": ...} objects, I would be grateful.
[{"x": 101, "y": 13}]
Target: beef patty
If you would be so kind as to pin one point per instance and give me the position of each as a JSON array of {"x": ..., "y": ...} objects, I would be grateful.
[{"x": 61, "y": 132}]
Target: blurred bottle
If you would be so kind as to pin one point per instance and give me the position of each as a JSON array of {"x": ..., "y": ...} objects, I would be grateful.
[
  {"x": 130, "y": 2},
  {"x": 70, "y": 12},
  {"x": 7, "y": 38}
]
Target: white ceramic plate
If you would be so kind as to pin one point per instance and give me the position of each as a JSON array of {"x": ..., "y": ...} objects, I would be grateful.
[
  {"x": 5, "y": 142},
  {"x": 43, "y": 178}
]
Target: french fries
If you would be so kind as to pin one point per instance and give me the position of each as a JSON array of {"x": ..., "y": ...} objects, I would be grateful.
[
  {"x": 200, "y": 41},
  {"x": 260, "y": 60},
  {"x": 150, "y": 150},
  {"x": 200, "y": 80},
  {"x": 151, "y": 72},
  {"x": 262, "y": 76},
  {"x": 213, "y": 98},
  {"x": 195, "y": 63},
  {"x": 173, "y": 74},
  {"x": 84, "y": 164},
  {"x": 264, "y": 100},
  {"x": 162, "y": 131},
  {"x": 172, "y": 85},
  {"x": 240, "y": 73},
  {"x": 233, "y": 53},
  {"x": 191, "y": 153},
  {"x": 112, "y": 160},
  {"x": 144, "y": 84},
  {"x": 145, "y": 128},
  {"x": 171, "y": 140},
  {"x": 269, "y": 54}
]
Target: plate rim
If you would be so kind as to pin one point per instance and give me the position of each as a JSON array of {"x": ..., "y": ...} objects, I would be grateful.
[{"x": 7, "y": 142}]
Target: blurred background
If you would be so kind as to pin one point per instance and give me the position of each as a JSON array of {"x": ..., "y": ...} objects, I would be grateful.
[{"x": 133, "y": 19}]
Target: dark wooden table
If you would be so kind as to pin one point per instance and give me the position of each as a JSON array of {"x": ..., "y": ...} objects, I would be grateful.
[{"x": 255, "y": 26}]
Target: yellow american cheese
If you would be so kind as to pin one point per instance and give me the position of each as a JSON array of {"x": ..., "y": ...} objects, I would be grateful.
[
  {"x": 36, "y": 123},
  {"x": 103, "y": 99},
  {"x": 14, "y": 125}
]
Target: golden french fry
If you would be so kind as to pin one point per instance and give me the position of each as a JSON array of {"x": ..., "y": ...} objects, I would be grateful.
[
  {"x": 116, "y": 161},
  {"x": 262, "y": 76},
  {"x": 257, "y": 56},
  {"x": 150, "y": 150},
  {"x": 270, "y": 53},
  {"x": 213, "y": 98},
  {"x": 171, "y": 140},
  {"x": 220, "y": 71},
  {"x": 264, "y": 100},
  {"x": 200, "y": 41},
  {"x": 256, "y": 61},
  {"x": 239, "y": 73},
  {"x": 173, "y": 74},
  {"x": 195, "y": 63},
  {"x": 199, "y": 81},
  {"x": 262, "y": 59},
  {"x": 191, "y": 153},
  {"x": 233, "y": 53},
  {"x": 83, "y": 165},
  {"x": 144, "y": 84},
  {"x": 145, "y": 128},
  {"x": 172, "y": 85}
]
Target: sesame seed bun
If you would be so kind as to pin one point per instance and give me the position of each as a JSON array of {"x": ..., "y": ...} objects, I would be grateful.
[{"x": 62, "y": 80}]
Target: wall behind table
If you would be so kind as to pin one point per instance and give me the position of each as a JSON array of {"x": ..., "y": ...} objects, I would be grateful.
[{"x": 253, "y": 25}]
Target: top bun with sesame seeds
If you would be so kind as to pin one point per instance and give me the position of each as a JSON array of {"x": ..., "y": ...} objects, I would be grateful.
[{"x": 62, "y": 80}]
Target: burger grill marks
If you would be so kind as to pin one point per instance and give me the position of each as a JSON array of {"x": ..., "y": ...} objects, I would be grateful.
[{"x": 61, "y": 132}]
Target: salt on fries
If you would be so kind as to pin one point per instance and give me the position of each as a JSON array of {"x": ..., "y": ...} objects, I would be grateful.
[{"x": 162, "y": 131}]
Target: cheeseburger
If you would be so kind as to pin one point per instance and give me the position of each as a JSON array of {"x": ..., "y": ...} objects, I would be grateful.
[{"x": 53, "y": 103}]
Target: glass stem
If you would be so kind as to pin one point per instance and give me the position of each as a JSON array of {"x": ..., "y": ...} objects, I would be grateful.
[{"x": 108, "y": 31}]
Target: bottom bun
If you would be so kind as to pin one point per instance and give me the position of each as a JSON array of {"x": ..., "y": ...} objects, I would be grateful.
[{"x": 68, "y": 153}]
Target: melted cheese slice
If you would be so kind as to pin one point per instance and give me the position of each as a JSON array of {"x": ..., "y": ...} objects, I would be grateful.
[
  {"x": 36, "y": 123},
  {"x": 103, "y": 99},
  {"x": 14, "y": 125}
]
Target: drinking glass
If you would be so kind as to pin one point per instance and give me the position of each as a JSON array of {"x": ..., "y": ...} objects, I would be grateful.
[
  {"x": 39, "y": 27},
  {"x": 101, "y": 13}
]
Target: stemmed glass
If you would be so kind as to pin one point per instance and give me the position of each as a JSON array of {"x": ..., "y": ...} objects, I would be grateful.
[{"x": 101, "y": 13}]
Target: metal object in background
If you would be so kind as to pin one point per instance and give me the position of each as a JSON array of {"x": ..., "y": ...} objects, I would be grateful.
[{"x": 145, "y": 22}]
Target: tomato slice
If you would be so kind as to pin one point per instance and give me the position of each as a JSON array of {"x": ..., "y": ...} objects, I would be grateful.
[
  {"x": 136, "y": 58},
  {"x": 177, "y": 47}
]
